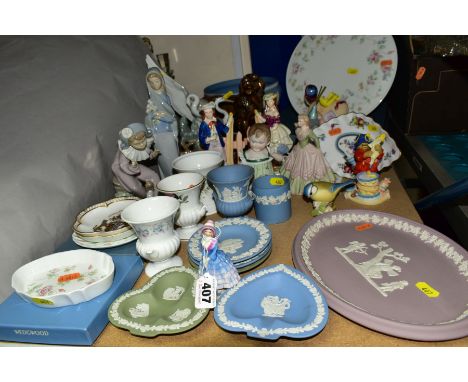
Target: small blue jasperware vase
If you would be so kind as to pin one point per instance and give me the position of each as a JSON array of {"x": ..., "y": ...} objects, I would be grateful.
[
  {"x": 272, "y": 199},
  {"x": 231, "y": 185}
]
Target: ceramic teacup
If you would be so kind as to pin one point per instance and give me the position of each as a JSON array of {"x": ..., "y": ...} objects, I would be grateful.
[
  {"x": 187, "y": 187},
  {"x": 153, "y": 221},
  {"x": 200, "y": 162}
]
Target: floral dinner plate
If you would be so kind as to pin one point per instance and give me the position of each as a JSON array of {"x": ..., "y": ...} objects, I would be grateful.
[{"x": 360, "y": 69}]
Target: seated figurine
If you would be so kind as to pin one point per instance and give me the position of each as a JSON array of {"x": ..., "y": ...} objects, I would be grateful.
[
  {"x": 214, "y": 261},
  {"x": 281, "y": 141},
  {"x": 130, "y": 177},
  {"x": 257, "y": 155},
  {"x": 305, "y": 163}
]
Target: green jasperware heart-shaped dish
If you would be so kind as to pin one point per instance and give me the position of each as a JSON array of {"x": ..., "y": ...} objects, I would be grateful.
[{"x": 164, "y": 305}]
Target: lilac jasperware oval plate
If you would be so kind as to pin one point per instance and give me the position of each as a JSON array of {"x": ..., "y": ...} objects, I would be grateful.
[{"x": 387, "y": 273}]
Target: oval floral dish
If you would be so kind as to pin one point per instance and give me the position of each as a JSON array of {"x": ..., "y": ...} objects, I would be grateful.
[
  {"x": 164, "y": 305},
  {"x": 388, "y": 273},
  {"x": 277, "y": 301},
  {"x": 64, "y": 278}
]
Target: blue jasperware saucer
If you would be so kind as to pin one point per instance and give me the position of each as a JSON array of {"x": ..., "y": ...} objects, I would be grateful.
[
  {"x": 277, "y": 301},
  {"x": 241, "y": 266},
  {"x": 241, "y": 238}
]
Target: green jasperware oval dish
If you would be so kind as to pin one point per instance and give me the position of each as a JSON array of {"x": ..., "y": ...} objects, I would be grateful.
[{"x": 164, "y": 305}]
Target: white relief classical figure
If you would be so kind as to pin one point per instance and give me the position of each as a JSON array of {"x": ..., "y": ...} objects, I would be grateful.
[
  {"x": 376, "y": 267},
  {"x": 139, "y": 311},
  {"x": 173, "y": 294},
  {"x": 231, "y": 245},
  {"x": 180, "y": 315},
  {"x": 274, "y": 306}
]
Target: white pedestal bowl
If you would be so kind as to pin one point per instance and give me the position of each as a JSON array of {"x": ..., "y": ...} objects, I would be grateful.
[
  {"x": 153, "y": 221},
  {"x": 200, "y": 162}
]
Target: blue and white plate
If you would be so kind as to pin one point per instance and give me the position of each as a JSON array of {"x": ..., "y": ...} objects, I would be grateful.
[
  {"x": 277, "y": 301},
  {"x": 240, "y": 266},
  {"x": 241, "y": 238}
]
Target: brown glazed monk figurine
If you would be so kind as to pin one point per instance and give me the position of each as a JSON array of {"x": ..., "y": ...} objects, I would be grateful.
[{"x": 250, "y": 98}]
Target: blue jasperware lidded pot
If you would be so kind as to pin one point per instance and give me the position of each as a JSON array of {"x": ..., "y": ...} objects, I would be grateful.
[
  {"x": 231, "y": 189},
  {"x": 272, "y": 199}
]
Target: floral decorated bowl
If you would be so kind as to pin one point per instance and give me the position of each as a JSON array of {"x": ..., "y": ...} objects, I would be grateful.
[{"x": 64, "y": 278}]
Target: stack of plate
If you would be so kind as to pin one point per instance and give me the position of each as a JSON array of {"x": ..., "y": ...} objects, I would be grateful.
[
  {"x": 247, "y": 241},
  {"x": 100, "y": 226}
]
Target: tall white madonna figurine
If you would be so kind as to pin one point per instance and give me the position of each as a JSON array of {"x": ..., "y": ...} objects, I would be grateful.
[
  {"x": 153, "y": 221},
  {"x": 187, "y": 187}
]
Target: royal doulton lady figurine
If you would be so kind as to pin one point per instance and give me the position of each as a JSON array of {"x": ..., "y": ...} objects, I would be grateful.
[
  {"x": 305, "y": 163},
  {"x": 214, "y": 261},
  {"x": 281, "y": 142}
]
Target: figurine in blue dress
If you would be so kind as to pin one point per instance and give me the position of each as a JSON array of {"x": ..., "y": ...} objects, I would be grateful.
[
  {"x": 214, "y": 261},
  {"x": 212, "y": 130}
]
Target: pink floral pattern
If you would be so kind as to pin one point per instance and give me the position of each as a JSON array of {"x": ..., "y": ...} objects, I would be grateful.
[{"x": 49, "y": 284}]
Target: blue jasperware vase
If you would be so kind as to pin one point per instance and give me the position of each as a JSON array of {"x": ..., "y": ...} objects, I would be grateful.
[
  {"x": 231, "y": 189},
  {"x": 272, "y": 199}
]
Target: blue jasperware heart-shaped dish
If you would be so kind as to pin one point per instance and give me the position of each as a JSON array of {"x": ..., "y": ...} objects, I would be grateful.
[{"x": 277, "y": 301}]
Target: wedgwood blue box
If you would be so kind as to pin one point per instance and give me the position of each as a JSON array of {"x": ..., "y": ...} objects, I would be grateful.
[{"x": 80, "y": 324}]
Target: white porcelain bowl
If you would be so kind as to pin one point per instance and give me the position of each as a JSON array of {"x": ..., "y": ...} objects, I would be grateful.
[
  {"x": 180, "y": 182},
  {"x": 64, "y": 278},
  {"x": 149, "y": 210},
  {"x": 199, "y": 161}
]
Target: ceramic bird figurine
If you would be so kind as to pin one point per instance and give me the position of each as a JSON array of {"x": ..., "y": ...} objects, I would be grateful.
[{"x": 323, "y": 194}]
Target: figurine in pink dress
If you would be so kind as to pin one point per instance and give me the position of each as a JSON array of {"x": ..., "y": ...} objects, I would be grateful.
[
  {"x": 281, "y": 141},
  {"x": 305, "y": 163}
]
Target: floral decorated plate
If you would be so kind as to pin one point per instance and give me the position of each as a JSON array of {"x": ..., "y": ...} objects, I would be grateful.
[
  {"x": 102, "y": 221},
  {"x": 242, "y": 238},
  {"x": 388, "y": 273},
  {"x": 337, "y": 138},
  {"x": 164, "y": 305},
  {"x": 276, "y": 301},
  {"x": 360, "y": 69},
  {"x": 103, "y": 244},
  {"x": 64, "y": 278}
]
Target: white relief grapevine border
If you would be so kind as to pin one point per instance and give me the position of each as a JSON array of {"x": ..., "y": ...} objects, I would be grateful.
[
  {"x": 264, "y": 332},
  {"x": 113, "y": 311},
  {"x": 273, "y": 200},
  {"x": 424, "y": 235}
]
